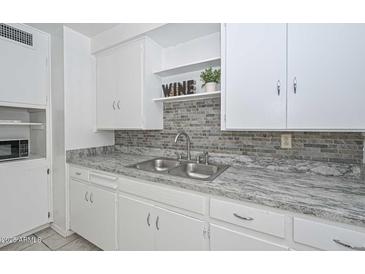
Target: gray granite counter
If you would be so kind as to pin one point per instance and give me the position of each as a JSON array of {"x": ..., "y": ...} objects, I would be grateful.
[{"x": 335, "y": 198}]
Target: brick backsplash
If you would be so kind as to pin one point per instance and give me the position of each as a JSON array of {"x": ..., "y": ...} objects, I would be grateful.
[{"x": 201, "y": 120}]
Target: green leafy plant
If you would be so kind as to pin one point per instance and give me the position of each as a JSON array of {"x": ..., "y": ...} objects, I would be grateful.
[{"x": 210, "y": 75}]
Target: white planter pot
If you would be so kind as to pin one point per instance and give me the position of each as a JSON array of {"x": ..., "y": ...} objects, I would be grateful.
[{"x": 210, "y": 87}]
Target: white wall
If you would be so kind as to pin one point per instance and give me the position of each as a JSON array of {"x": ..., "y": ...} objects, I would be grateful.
[{"x": 80, "y": 94}]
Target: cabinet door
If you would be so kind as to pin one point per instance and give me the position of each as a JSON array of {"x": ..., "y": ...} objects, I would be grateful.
[
  {"x": 327, "y": 61},
  {"x": 129, "y": 85},
  {"x": 106, "y": 88},
  {"x": 135, "y": 224},
  {"x": 254, "y": 72},
  {"x": 119, "y": 87},
  {"x": 174, "y": 231},
  {"x": 23, "y": 68},
  {"x": 24, "y": 199},
  {"x": 93, "y": 214},
  {"x": 80, "y": 216},
  {"x": 103, "y": 218},
  {"x": 225, "y": 239}
]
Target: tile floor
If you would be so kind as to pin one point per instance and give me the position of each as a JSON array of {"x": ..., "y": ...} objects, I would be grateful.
[{"x": 49, "y": 240}]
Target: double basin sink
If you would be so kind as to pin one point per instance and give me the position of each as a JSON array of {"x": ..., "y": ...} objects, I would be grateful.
[{"x": 185, "y": 169}]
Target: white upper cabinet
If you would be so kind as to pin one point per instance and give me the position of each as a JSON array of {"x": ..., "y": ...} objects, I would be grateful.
[
  {"x": 254, "y": 76},
  {"x": 126, "y": 86},
  {"x": 327, "y": 61},
  {"x": 325, "y": 64},
  {"x": 24, "y": 65}
]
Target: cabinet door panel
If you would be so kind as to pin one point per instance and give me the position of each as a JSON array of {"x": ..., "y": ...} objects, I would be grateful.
[
  {"x": 23, "y": 199},
  {"x": 106, "y": 90},
  {"x": 103, "y": 218},
  {"x": 175, "y": 231},
  {"x": 255, "y": 60},
  {"x": 80, "y": 216},
  {"x": 129, "y": 85},
  {"x": 23, "y": 69},
  {"x": 328, "y": 62},
  {"x": 135, "y": 225},
  {"x": 225, "y": 239}
]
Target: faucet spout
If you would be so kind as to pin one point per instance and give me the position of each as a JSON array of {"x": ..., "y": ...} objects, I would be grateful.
[{"x": 188, "y": 143}]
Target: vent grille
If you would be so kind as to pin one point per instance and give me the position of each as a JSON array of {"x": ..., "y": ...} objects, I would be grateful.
[{"x": 15, "y": 34}]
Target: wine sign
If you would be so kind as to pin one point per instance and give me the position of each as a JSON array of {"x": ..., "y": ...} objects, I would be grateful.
[{"x": 179, "y": 88}]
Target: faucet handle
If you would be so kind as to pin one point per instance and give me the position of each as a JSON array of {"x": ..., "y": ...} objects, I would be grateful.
[
  {"x": 206, "y": 156},
  {"x": 179, "y": 156}
]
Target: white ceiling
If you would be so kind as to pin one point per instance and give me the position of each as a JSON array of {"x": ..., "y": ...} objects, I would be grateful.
[{"x": 90, "y": 29}]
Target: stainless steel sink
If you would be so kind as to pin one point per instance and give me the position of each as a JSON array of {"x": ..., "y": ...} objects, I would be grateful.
[
  {"x": 185, "y": 169},
  {"x": 198, "y": 171},
  {"x": 157, "y": 165}
]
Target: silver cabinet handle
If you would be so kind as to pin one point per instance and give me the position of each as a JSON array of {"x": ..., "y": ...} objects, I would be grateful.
[
  {"x": 86, "y": 193},
  {"x": 278, "y": 87},
  {"x": 157, "y": 223},
  {"x": 118, "y": 104},
  {"x": 348, "y": 245},
  {"x": 242, "y": 218},
  {"x": 91, "y": 198},
  {"x": 114, "y": 105},
  {"x": 148, "y": 219},
  {"x": 295, "y": 85}
]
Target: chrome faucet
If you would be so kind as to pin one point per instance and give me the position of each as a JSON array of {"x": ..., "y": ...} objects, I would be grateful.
[{"x": 188, "y": 143}]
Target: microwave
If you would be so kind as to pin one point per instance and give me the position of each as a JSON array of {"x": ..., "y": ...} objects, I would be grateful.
[{"x": 14, "y": 149}]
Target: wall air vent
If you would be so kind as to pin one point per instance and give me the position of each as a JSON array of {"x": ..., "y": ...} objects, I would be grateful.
[{"x": 15, "y": 34}]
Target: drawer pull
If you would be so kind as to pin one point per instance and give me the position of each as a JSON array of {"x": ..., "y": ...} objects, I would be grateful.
[
  {"x": 86, "y": 193},
  {"x": 91, "y": 198},
  {"x": 78, "y": 173},
  {"x": 348, "y": 245},
  {"x": 243, "y": 218},
  {"x": 148, "y": 219},
  {"x": 157, "y": 223}
]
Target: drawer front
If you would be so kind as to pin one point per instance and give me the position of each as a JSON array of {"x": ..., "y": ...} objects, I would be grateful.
[
  {"x": 222, "y": 238},
  {"x": 180, "y": 199},
  {"x": 104, "y": 180},
  {"x": 248, "y": 217},
  {"x": 327, "y": 237},
  {"x": 79, "y": 173}
]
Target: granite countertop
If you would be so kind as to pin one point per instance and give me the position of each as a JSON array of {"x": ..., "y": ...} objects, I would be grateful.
[{"x": 333, "y": 198}]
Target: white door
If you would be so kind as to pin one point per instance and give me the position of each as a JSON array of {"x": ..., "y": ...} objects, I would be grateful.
[
  {"x": 103, "y": 218},
  {"x": 222, "y": 238},
  {"x": 80, "y": 216},
  {"x": 23, "y": 67},
  {"x": 327, "y": 61},
  {"x": 255, "y": 76},
  {"x": 23, "y": 199},
  {"x": 129, "y": 58},
  {"x": 174, "y": 231},
  {"x": 135, "y": 224},
  {"x": 106, "y": 90}
]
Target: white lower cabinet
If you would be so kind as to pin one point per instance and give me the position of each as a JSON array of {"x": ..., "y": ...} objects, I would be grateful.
[
  {"x": 135, "y": 225},
  {"x": 143, "y": 226},
  {"x": 92, "y": 213},
  {"x": 24, "y": 197},
  {"x": 222, "y": 238},
  {"x": 175, "y": 231}
]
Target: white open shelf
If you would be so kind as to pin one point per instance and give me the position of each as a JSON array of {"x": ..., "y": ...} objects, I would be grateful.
[
  {"x": 196, "y": 96},
  {"x": 195, "y": 66}
]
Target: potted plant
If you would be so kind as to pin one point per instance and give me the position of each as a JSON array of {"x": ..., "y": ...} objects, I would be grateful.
[{"x": 210, "y": 79}]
